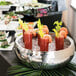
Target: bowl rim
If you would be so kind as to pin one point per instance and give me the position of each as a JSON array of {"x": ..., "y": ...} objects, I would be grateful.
[{"x": 68, "y": 38}]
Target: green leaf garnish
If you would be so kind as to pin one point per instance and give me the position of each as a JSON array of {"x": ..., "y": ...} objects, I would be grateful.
[
  {"x": 56, "y": 32},
  {"x": 19, "y": 34},
  {"x": 25, "y": 26},
  {"x": 5, "y": 46},
  {"x": 21, "y": 70},
  {"x": 20, "y": 22},
  {"x": 57, "y": 28},
  {"x": 41, "y": 33},
  {"x": 2, "y": 35},
  {"x": 40, "y": 27},
  {"x": 58, "y": 25},
  {"x": 3, "y": 40}
]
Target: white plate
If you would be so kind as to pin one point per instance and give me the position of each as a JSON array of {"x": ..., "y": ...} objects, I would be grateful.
[
  {"x": 10, "y": 48},
  {"x": 11, "y": 26},
  {"x": 41, "y": 5}
]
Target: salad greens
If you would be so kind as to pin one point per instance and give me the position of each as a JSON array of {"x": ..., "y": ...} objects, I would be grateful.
[
  {"x": 2, "y": 35},
  {"x": 3, "y": 40},
  {"x": 5, "y": 46}
]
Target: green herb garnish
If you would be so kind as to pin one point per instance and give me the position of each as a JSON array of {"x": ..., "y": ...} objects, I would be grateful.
[
  {"x": 20, "y": 34},
  {"x": 40, "y": 27},
  {"x": 25, "y": 27},
  {"x": 57, "y": 28},
  {"x": 58, "y": 25},
  {"x": 5, "y": 46},
  {"x": 2, "y": 35},
  {"x": 56, "y": 32},
  {"x": 3, "y": 40}
]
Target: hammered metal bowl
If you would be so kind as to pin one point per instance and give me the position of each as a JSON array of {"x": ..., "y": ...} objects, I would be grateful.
[{"x": 44, "y": 60}]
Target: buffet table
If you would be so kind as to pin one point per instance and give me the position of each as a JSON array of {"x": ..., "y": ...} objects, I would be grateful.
[{"x": 11, "y": 58}]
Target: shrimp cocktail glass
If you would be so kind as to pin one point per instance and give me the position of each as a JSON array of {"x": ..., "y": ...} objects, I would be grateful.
[
  {"x": 26, "y": 26},
  {"x": 45, "y": 39},
  {"x": 60, "y": 35},
  {"x": 46, "y": 31},
  {"x": 28, "y": 40},
  {"x": 44, "y": 42},
  {"x": 43, "y": 28},
  {"x": 59, "y": 42},
  {"x": 28, "y": 35}
]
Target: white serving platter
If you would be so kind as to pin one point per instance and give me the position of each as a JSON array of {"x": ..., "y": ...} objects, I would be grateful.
[
  {"x": 40, "y": 5},
  {"x": 11, "y": 26}
]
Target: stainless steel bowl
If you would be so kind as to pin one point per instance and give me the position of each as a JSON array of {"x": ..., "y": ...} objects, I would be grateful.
[{"x": 44, "y": 60}]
